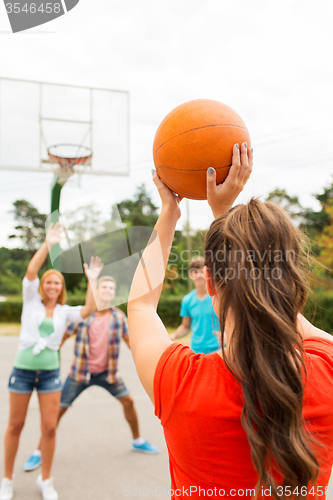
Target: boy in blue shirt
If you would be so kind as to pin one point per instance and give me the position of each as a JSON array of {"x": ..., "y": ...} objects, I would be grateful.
[{"x": 197, "y": 312}]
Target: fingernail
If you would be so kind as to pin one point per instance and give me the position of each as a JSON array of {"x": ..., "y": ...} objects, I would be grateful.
[
  {"x": 152, "y": 171},
  {"x": 237, "y": 146},
  {"x": 210, "y": 171},
  {"x": 245, "y": 144},
  {"x": 251, "y": 150}
]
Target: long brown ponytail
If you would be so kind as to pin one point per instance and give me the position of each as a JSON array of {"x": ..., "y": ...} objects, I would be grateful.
[{"x": 252, "y": 253}]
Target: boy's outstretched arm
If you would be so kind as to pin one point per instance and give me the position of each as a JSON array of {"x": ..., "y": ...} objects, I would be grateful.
[{"x": 183, "y": 329}]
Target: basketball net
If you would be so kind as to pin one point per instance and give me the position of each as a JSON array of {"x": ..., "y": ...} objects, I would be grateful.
[
  {"x": 66, "y": 171},
  {"x": 67, "y": 156}
]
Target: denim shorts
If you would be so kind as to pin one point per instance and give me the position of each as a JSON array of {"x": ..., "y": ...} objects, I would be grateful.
[
  {"x": 25, "y": 381},
  {"x": 72, "y": 388}
]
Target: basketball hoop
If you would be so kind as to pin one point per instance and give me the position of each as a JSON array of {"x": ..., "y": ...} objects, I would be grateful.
[{"x": 66, "y": 156}]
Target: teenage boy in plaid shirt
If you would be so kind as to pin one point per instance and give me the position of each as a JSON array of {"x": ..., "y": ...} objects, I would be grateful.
[{"x": 95, "y": 363}]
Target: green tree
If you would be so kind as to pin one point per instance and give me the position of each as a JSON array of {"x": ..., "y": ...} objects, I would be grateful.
[
  {"x": 31, "y": 225},
  {"x": 323, "y": 266},
  {"x": 312, "y": 222},
  {"x": 289, "y": 203},
  {"x": 140, "y": 211},
  {"x": 84, "y": 223},
  {"x": 13, "y": 265},
  {"x": 318, "y": 220}
]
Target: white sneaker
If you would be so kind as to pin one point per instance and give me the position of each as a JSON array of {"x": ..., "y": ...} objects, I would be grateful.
[
  {"x": 47, "y": 489},
  {"x": 6, "y": 489}
]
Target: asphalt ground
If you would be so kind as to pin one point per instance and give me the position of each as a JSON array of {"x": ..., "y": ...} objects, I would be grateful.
[{"x": 93, "y": 458}]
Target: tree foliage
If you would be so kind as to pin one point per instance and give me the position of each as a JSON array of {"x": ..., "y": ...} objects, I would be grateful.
[
  {"x": 84, "y": 223},
  {"x": 318, "y": 225},
  {"x": 13, "y": 265},
  {"x": 289, "y": 203},
  {"x": 31, "y": 225},
  {"x": 139, "y": 211}
]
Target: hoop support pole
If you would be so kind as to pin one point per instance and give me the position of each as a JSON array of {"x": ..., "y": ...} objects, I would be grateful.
[{"x": 55, "y": 206}]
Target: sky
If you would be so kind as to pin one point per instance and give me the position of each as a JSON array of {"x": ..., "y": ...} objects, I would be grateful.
[{"x": 270, "y": 61}]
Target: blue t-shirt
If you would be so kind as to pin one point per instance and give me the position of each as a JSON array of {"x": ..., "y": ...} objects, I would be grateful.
[{"x": 203, "y": 322}]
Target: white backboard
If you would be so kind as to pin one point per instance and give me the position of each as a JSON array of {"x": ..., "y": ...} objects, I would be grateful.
[{"x": 37, "y": 115}]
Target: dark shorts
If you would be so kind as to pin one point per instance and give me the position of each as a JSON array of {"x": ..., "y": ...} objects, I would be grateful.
[
  {"x": 72, "y": 388},
  {"x": 25, "y": 381}
]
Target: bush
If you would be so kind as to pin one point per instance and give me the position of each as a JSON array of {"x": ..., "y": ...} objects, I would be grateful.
[
  {"x": 10, "y": 311},
  {"x": 168, "y": 309},
  {"x": 319, "y": 309}
]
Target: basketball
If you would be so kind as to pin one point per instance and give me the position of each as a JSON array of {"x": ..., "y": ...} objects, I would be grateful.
[{"x": 192, "y": 137}]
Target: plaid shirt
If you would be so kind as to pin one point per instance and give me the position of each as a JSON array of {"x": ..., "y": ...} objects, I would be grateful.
[{"x": 117, "y": 328}]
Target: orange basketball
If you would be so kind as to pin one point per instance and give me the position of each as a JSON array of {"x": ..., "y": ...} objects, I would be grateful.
[{"x": 192, "y": 137}]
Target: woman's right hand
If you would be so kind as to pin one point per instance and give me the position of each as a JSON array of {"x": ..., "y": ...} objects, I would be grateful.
[
  {"x": 222, "y": 196},
  {"x": 53, "y": 235},
  {"x": 94, "y": 269}
]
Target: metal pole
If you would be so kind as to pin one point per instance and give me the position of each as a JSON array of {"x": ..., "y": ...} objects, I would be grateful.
[
  {"x": 128, "y": 133},
  {"x": 55, "y": 206},
  {"x": 40, "y": 124},
  {"x": 188, "y": 239},
  {"x": 91, "y": 124}
]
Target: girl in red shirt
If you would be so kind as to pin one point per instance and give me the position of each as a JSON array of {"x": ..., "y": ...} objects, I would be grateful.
[{"x": 255, "y": 419}]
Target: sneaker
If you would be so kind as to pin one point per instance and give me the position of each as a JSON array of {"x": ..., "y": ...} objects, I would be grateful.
[
  {"x": 47, "y": 488},
  {"x": 33, "y": 462},
  {"x": 6, "y": 489},
  {"x": 146, "y": 447}
]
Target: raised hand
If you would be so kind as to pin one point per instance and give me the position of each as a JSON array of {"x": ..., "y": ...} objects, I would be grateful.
[
  {"x": 92, "y": 272},
  {"x": 221, "y": 197},
  {"x": 54, "y": 234},
  {"x": 94, "y": 269},
  {"x": 167, "y": 196}
]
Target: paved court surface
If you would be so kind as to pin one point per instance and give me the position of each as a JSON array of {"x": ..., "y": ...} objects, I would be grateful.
[{"x": 93, "y": 459}]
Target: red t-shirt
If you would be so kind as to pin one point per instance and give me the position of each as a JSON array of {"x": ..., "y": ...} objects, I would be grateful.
[
  {"x": 199, "y": 403},
  {"x": 99, "y": 332}
]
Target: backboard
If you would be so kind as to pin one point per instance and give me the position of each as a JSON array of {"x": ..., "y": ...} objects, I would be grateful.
[{"x": 37, "y": 115}]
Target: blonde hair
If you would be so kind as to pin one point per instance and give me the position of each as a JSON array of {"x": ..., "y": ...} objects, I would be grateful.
[{"x": 63, "y": 295}]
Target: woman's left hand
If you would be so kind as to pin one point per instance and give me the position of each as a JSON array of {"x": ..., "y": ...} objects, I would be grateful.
[
  {"x": 222, "y": 196},
  {"x": 94, "y": 269},
  {"x": 169, "y": 199}
]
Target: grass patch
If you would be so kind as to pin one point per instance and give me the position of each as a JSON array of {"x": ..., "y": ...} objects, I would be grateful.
[
  {"x": 184, "y": 340},
  {"x": 10, "y": 328}
]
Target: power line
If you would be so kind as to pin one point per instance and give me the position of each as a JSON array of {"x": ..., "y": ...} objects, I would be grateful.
[
  {"x": 294, "y": 129},
  {"x": 291, "y": 137},
  {"x": 304, "y": 164}
]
